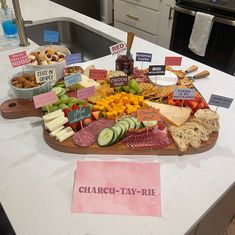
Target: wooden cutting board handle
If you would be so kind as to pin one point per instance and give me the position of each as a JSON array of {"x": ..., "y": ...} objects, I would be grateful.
[
  {"x": 202, "y": 74},
  {"x": 19, "y": 108}
]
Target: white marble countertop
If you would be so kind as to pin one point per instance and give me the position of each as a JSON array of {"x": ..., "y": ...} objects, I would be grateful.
[{"x": 36, "y": 182}]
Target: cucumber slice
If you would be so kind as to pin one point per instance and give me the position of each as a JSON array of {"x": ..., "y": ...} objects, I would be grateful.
[
  {"x": 115, "y": 138},
  {"x": 131, "y": 122},
  {"x": 57, "y": 90},
  {"x": 122, "y": 126},
  {"x": 105, "y": 137},
  {"x": 125, "y": 123},
  {"x": 119, "y": 132},
  {"x": 137, "y": 124},
  {"x": 149, "y": 123}
]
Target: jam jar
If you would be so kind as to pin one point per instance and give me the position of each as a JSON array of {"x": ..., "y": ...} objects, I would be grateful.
[{"x": 125, "y": 63}]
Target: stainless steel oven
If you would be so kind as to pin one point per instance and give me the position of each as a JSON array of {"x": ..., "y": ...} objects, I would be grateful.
[{"x": 220, "y": 52}]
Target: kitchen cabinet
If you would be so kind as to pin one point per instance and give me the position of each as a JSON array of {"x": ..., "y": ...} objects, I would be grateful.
[{"x": 149, "y": 19}]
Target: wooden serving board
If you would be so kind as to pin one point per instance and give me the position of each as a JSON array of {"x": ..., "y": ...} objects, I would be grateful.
[{"x": 19, "y": 108}]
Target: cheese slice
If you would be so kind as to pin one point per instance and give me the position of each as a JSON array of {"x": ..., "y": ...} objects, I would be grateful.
[
  {"x": 50, "y": 116},
  {"x": 173, "y": 114}
]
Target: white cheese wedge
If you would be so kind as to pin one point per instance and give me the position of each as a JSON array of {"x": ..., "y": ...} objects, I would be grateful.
[
  {"x": 66, "y": 136},
  {"x": 173, "y": 114},
  {"x": 60, "y": 122},
  {"x": 56, "y": 131},
  {"x": 62, "y": 132},
  {"x": 50, "y": 116}
]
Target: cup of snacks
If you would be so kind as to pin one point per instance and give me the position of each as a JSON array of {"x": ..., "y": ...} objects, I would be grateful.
[
  {"x": 24, "y": 85},
  {"x": 48, "y": 57}
]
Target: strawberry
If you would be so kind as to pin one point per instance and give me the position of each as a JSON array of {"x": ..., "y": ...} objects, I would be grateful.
[
  {"x": 86, "y": 121},
  {"x": 75, "y": 107}
]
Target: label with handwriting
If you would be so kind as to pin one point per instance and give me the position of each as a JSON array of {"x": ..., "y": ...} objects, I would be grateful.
[
  {"x": 157, "y": 70},
  {"x": 173, "y": 60},
  {"x": 184, "y": 94},
  {"x": 220, "y": 101},
  {"x": 144, "y": 57},
  {"x": 119, "y": 81},
  {"x": 51, "y": 36},
  {"x": 79, "y": 114},
  {"x": 149, "y": 114},
  {"x": 45, "y": 99},
  {"x": 85, "y": 93},
  {"x": 45, "y": 75},
  {"x": 98, "y": 74},
  {"x": 73, "y": 59},
  {"x": 19, "y": 59},
  {"x": 72, "y": 79},
  {"x": 117, "y": 48}
]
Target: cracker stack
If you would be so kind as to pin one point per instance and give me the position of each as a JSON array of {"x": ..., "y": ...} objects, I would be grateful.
[{"x": 196, "y": 130}]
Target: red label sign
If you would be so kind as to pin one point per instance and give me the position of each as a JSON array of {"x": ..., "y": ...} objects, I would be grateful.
[
  {"x": 98, "y": 74},
  {"x": 148, "y": 115},
  {"x": 45, "y": 99},
  {"x": 173, "y": 60},
  {"x": 86, "y": 93},
  {"x": 19, "y": 59}
]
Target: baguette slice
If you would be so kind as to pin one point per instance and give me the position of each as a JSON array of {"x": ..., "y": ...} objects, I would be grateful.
[{"x": 206, "y": 114}]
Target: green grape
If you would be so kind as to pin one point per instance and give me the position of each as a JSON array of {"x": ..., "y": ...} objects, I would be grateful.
[
  {"x": 82, "y": 102},
  {"x": 57, "y": 102},
  {"x": 49, "y": 108},
  {"x": 63, "y": 106},
  {"x": 132, "y": 91},
  {"x": 73, "y": 100},
  {"x": 64, "y": 99},
  {"x": 135, "y": 86},
  {"x": 126, "y": 89},
  {"x": 55, "y": 107},
  {"x": 70, "y": 104}
]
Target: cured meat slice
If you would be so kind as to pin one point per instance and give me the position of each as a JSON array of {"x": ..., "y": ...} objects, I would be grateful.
[
  {"x": 88, "y": 135},
  {"x": 153, "y": 138}
]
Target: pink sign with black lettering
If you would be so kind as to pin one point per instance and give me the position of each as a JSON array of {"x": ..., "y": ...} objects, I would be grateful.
[
  {"x": 126, "y": 188},
  {"x": 19, "y": 59}
]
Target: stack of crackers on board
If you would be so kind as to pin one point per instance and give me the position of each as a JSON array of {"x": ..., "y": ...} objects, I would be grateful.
[
  {"x": 151, "y": 91},
  {"x": 196, "y": 130}
]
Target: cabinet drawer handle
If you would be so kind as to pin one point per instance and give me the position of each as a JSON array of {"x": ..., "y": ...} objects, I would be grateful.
[
  {"x": 133, "y": 17},
  {"x": 170, "y": 13}
]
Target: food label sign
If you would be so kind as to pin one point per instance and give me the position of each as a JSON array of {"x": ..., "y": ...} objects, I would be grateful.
[
  {"x": 173, "y": 60},
  {"x": 119, "y": 81},
  {"x": 98, "y": 74},
  {"x": 73, "y": 59},
  {"x": 123, "y": 189},
  {"x": 45, "y": 75},
  {"x": 85, "y": 93},
  {"x": 72, "y": 79},
  {"x": 148, "y": 115},
  {"x": 45, "y": 99},
  {"x": 145, "y": 57},
  {"x": 184, "y": 94},
  {"x": 51, "y": 36},
  {"x": 220, "y": 101},
  {"x": 79, "y": 114},
  {"x": 157, "y": 70},
  {"x": 19, "y": 59},
  {"x": 117, "y": 48}
]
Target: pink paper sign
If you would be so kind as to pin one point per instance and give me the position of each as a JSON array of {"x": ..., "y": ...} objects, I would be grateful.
[
  {"x": 44, "y": 99},
  {"x": 173, "y": 60},
  {"x": 85, "y": 93},
  {"x": 19, "y": 59},
  {"x": 98, "y": 74},
  {"x": 125, "y": 188}
]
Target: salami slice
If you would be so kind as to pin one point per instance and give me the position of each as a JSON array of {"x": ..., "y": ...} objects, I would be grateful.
[
  {"x": 153, "y": 138},
  {"x": 88, "y": 135}
]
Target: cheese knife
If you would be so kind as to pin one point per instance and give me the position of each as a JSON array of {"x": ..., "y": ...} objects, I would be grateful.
[
  {"x": 130, "y": 38},
  {"x": 200, "y": 75}
]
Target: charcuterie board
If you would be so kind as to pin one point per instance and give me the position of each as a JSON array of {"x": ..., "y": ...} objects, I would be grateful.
[{"x": 19, "y": 108}]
